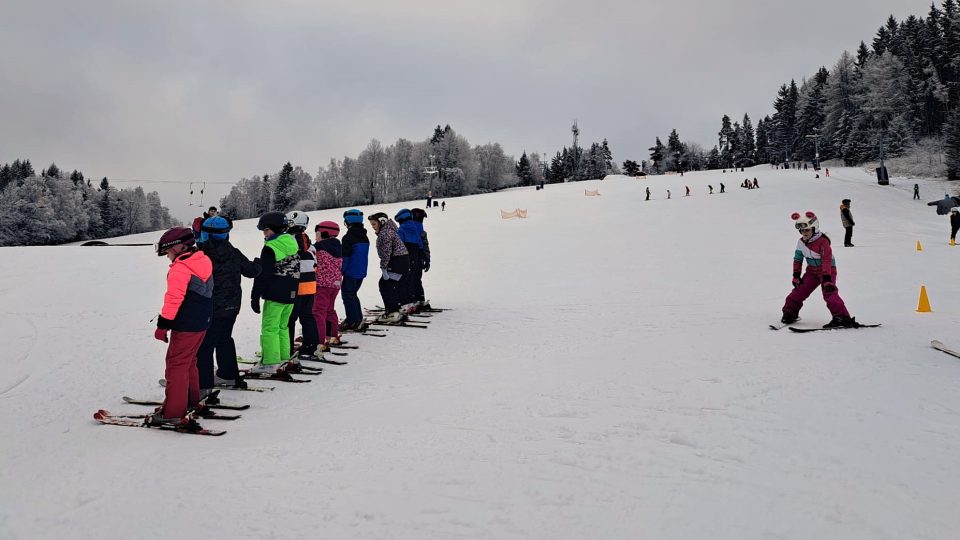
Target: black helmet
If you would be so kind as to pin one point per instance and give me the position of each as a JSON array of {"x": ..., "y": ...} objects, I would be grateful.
[
  {"x": 275, "y": 221},
  {"x": 174, "y": 237}
]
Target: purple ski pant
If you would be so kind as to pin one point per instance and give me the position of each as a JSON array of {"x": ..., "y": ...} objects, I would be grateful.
[
  {"x": 325, "y": 312},
  {"x": 811, "y": 280}
]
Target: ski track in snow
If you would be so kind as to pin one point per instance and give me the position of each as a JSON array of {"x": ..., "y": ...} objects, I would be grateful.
[{"x": 607, "y": 372}]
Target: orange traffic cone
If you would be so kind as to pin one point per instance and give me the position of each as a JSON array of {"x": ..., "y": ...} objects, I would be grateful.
[{"x": 923, "y": 306}]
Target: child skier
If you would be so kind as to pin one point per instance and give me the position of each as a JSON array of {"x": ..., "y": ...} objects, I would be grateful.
[
  {"x": 277, "y": 284},
  {"x": 306, "y": 289},
  {"x": 356, "y": 249},
  {"x": 394, "y": 263},
  {"x": 329, "y": 278},
  {"x": 409, "y": 231},
  {"x": 186, "y": 313},
  {"x": 228, "y": 265},
  {"x": 846, "y": 219},
  {"x": 419, "y": 215},
  {"x": 814, "y": 246}
]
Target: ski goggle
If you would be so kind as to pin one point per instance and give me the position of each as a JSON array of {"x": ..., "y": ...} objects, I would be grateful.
[{"x": 803, "y": 226}]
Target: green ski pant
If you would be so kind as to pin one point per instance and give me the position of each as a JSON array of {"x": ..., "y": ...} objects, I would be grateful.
[{"x": 274, "y": 336}]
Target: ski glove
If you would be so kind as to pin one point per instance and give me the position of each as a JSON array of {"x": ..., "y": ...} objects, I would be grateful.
[
  {"x": 160, "y": 334},
  {"x": 255, "y": 305},
  {"x": 386, "y": 274},
  {"x": 828, "y": 286},
  {"x": 797, "y": 280},
  {"x": 426, "y": 267}
]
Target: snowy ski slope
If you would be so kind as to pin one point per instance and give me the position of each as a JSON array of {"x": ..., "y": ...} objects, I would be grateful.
[{"x": 607, "y": 372}]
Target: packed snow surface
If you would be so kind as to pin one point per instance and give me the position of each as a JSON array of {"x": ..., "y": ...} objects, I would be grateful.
[{"x": 607, "y": 371}]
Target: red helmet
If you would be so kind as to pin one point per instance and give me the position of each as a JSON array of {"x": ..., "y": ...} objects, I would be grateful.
[
  {"x": 174, "y": 237},
  {"x": 329, "y": 227}
]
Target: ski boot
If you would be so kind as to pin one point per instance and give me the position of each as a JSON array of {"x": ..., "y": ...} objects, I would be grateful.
[
  {"x": 789, "y": 318},
  {"x": 842, "y": 321}
]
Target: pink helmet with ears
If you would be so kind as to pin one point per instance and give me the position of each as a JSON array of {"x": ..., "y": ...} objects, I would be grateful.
[{"x": 806, "y": 221}]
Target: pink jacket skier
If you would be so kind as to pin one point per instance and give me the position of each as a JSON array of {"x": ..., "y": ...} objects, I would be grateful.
[{"x": 814, "y": 246}]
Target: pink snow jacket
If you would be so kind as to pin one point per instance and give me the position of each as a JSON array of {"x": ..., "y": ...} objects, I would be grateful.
[
  {"x": 188, "y": 302},
  {"x": 815, "y": 252},
  {"x": 329, "y": 274}
]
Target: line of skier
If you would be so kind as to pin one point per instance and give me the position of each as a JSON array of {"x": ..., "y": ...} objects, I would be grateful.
[{"x": 296, "y": 279}]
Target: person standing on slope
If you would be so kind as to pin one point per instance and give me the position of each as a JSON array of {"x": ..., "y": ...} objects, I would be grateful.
[
  {"x": 185, "y": 316},
  {"x": 306, "y": 290},
  {"x": 394, "y": 262},
  {"x": 329, "y": 279},
  {"x": 419, "y": 215},
  {"x": 916, "y": 192},
  {"x": 846, "y": 219},
  {"x": 814, "y": 246},
  {"x": 277, "y": 285},
  {"x": 954, "y": 225},
  {"x": 409, "y": 232},
  {"x": 356, "y": 249},
  {"x": 648, "y": 193},
  {"x": 228, "y": 265}
]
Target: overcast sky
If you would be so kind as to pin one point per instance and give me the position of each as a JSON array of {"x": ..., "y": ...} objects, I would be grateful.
[{"x": 217, "y": 90}]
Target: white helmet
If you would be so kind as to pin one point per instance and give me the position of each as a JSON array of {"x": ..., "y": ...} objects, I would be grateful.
[
  {"x": 806, "y": 221},
  {"x": 298, "y": 219}
]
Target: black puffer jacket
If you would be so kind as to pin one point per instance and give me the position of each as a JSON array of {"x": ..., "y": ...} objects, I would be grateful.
[{"x": 228, "y": 265}]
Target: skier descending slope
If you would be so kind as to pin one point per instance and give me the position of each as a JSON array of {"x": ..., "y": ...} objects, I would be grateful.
[
  {"x": 186, "y": 313},
  {"x": 814, "y": 246}
]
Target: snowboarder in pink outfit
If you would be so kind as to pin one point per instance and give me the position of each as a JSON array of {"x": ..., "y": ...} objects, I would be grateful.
[{"x": 814, "y": 246}]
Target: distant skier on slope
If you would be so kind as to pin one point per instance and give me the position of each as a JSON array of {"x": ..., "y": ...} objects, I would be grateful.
[
  {"x": 723, "y": 188},
  {"x": 916, "y": 192},
  {"x": 648, "y": 193},
  {"x": 814, "y": 246},
  {"x": 846, "y": 219},
  {"x": 688, "y": 191}
]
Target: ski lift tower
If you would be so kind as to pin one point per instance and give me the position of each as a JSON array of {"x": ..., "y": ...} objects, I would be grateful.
[
  {"x": 576, "y": 154},
  {"x": 816, "y": 143},
  {"x": 430, "y": 171}
]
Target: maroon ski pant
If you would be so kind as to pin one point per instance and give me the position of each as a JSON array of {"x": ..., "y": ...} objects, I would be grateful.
[
  {"x": 811, "y": 281},
  {"x": 183, "y": 383},
  {"x": 325, "y": 312}
]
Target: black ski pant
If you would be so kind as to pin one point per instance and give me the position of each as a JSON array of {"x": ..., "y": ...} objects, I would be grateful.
[
  {"x": 219, "y": 338},
  {"x": 953, "y": 232},
  {"x": 848, "y": 236},
  {"x": 303, "y": 310},
  {"x": 391, "y": 291},
  {"x": 410, "y": 283}
]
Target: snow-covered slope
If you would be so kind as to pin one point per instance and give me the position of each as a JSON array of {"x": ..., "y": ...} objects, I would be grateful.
[{"x": 607, "y": 372}]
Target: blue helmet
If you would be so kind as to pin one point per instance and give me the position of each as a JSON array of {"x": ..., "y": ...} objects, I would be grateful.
[
  {"x": 403, "y": 215},
  {"x": 216, "y": 227},
  {"x": 352, "y": 216}
]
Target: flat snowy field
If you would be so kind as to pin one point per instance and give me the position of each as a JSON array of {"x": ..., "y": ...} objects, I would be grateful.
[{"x": 606, "y": 372}]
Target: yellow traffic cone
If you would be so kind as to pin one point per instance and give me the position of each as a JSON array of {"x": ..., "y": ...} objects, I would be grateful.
[
  {"x": 919, "y": 247},
  {"x": 923, "y": 306}
]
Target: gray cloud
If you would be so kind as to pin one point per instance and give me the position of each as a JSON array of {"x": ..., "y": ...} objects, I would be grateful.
[{"x": 182, "y": 90}]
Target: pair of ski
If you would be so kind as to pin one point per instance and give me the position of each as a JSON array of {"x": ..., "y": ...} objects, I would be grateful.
[
  {"x": 140, "y": 420},
  {"x": 781, "y": 326},
  {"x": 241, "y": 360}
]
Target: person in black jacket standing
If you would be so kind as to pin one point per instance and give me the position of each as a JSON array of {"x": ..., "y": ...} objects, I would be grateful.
[
  {"x": 954, "y": 225},
  {"x": 846, "y": 218},
  {"x": 228, "y": 265}
]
